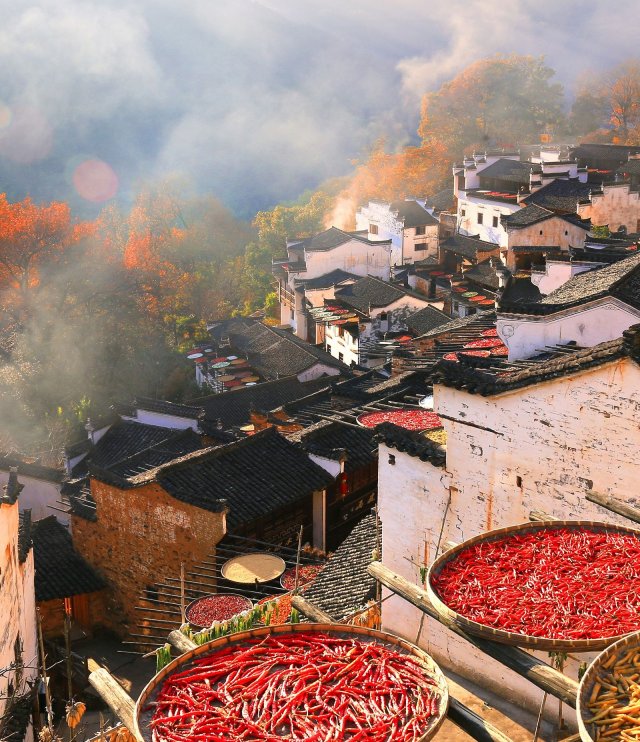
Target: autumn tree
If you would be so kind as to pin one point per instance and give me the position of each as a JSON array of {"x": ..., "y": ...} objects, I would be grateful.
[
  {"x": 623, "y": 88},
  {"x": 499, "y": 101}
]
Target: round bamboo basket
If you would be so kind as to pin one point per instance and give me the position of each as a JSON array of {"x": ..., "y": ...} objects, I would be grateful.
[
  {"x": 143, "y": 714},
  {"x": 508, "y": 637},
  {"x": 617, "y": 651},
  {"x": 257, "y": 566},
  {"x": 198, "y": 627}
]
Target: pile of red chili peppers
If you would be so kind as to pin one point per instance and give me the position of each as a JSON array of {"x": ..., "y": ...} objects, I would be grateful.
[
  {"x": 307, "y": 573},
  {"x": 216, "y": 608},
  {"x": 557, "y": 583},
  {"x": 303, "y": 686}
]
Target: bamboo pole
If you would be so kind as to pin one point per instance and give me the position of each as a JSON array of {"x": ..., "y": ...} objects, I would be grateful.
[
  {"x": 180, "y": 642},
  {"x": 114, "y": 695},
  {"x": 538, "y": 672},
  {"x": 43, "y": 665},
  {"x": 310, "y": 610},
  {"x": 614, "y": 505},
  {"x": 473, "y": 724}
]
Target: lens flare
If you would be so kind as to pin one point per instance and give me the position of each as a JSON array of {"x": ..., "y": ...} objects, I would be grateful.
[{"x": 95, "y": 181}]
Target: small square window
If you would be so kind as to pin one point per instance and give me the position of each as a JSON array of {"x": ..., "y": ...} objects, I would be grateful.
[
  {"x": 463, "y": 212},
  {"x": 421, "y": 230},
  {"x": 480, "y": 217},
  {"x": 420, "y": 246},
  {"x": 373, "y": 229}
]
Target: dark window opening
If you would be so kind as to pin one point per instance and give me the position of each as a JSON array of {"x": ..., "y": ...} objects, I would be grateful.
[
  {"x": 495, "y": 221},
  {"x": 463, "y": 212},
  {"x": 419, "y": 246},
  {"x": 480, "y": 217},
  {"x": 421, "y": 230},
  {"x": 373, "y": 229},
  {"x": 519, "y": 481}
]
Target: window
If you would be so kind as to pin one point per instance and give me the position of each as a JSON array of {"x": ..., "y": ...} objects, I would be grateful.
[
  {"x": 293, "y": 314},
  {"x": 383, "y": 316},
  {"x": 566, "y": 232},
  {"x": 373, "y": 229},
  {"x": 495, "y": 221},
  {"x": 341, "y": 356},
  {"x": 463, "y": 212},
  {"x": 480, "y": 217},
  {"x": 419, "y": 246},
  {"x": 421, "y": 230},
  {"x": 540, "y": 231},
  {"x": 328, "y": 349}
]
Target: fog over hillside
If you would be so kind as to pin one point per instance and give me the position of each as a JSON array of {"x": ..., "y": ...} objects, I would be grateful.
[{"x": 254, "y": 101}]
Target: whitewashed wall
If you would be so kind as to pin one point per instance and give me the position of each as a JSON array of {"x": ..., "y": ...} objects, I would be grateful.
[
  {"x": 165, "y": 421},
  {"x": 355, "y": 257},
  {"x": 558, "y": 272},
  {"x": 469, "y": 206},
  {"x": 540, "y": 448},
  {"x": 604, "y": 319},
  {"x": 38, "y": 495}
]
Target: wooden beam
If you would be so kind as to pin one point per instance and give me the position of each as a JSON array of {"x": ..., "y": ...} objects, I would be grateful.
[
  {"x": 473, "y": 724},
  {"x": 614, "y": 505},
  {"x": 537, "y": 516},
  {"x": 310, "y": 610},
  {"x": 114, "y": 695},
  {"x": 181, "y": 642},
  {"x": 539, "y": 673}
]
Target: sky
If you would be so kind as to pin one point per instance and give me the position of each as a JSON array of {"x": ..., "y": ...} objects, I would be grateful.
[{"x": 252, "y": 100}]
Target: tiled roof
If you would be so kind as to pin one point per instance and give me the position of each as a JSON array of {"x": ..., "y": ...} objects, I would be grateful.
[
  {"x": 371, "y": 292},
  {"x": 60, "y": 571},
  {"x": 411, "y": 442},
  {"x": 477, "y": 381},
  {"x": 327, "y": 280},
  {"x": 331, "y": 238},
  {"x": 621, "y": 280},
  {"x": 630, "y": 168},
  {"x": 275, "y": 353},
  {"x": 513, "y": 171},
  {"x": 256, "y": 476},
  {"x": 484, "y": 274},
  {"x": 26, "y": 469},
  {"x": 24, "y": 535},
  {"x": 462, "y": 322},
  {"x": 426, "y": 319},
  {"x": 441, "y": 201},
  {"x": 560, "y": 195},
  {"x": 467, "y": 247},
  {"x": 331, "y": 439},
  {"x": 533, "y": 214},
  {"x": 519, "y": 291},
  {"x": 168, "y": 408},
  {"x": 411, "y": 214},
  {"x": 234, "y": 407},
  {"x": 344, "y": 586}
]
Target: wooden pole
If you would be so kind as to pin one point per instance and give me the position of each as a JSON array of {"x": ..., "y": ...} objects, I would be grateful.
[
  {"x": 538, "y": 672},
  {"x": 614, "y": 505},
  {"x": 182, "y": 606},
  {"x": 310, "y": 610},
  {"x": 473, "y": 724},
  {"x": 43, "y": 664},
  {"x": 295, "y": 587},
  {"x": 181, "y": 642},
  {"x": 539, "y": 516},
  {"x": 114, "y": 695}
]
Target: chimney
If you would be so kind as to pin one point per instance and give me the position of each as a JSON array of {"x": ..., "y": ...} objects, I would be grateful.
[{"x": 12, "y": 488}]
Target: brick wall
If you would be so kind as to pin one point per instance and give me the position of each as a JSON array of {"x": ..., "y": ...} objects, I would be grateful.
[{"x": 140, "y": 537}]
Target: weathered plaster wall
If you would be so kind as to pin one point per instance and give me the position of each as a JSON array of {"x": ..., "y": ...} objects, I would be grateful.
[
  {"x": 140, "y": 537},
  {"x": 538, "y": 448},
  {"x": 617, "y": 207},
  {"x": 353, "y": 256},
  {"x": 17, "y": 607},
  {"x": 554, "y": 231},
  {"x": 602, "y": 320}
]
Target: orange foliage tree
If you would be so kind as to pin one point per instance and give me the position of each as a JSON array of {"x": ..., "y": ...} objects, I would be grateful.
[{"x": 32, "y": 238}]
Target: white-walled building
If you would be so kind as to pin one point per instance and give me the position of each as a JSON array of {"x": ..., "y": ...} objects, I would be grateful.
[
  {"x": 18, "y": 643},
  {"x": 412, "y": 229},
  {"x": 591, "y": 307},
  {"x": 41, "y": 486},
  {"x": 539, "y": 438}
]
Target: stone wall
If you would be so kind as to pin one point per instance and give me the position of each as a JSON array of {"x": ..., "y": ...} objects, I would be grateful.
[{"x": 140, "y": 537}]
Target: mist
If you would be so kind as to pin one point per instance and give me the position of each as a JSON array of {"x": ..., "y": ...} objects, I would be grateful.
[{"x": 253, "y": 101}]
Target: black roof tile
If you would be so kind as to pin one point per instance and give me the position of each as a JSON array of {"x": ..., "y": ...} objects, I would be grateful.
[
  {"x": 25, "y": 541},
  {"x": 481, "y": 319},
  {"x": 467, "y": 247},
  {"x": 344, "y": 586},
  {"x": 331, "y": 238},
  {"x": 234, "y": 407},
  {"x": 426, "y": 319},
  {"x": 371, "y": 292},
  {"x": 478, "y": 381},
  {"x": 412, "y": 214},
  {"x": 331, "y": 439},
  {"x": 411, "y": 442},
  {"x": 560, "y": 195},
  {"x": 513, "y": 171},
  {"x": 441, "y": 201},
  {"x": 27, "y": 469},
  {"x": 327, "y": 280},
  {"x": 256, "y": 476},
  {"x": 621, "y": 280},
  {"x": 168, "y": 408},
  {"x": 60, "y": 571},
  {"x": 484, "y": 274}
]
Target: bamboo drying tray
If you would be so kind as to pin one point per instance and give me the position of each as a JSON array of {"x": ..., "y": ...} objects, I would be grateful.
[
  {"x": 197, "y": 626},
  {"x": 617, "y": 651},
  {"x": 149, "y": 693},
  {"x": 258, "y": 566},
  {"x": 508, "y": 637}
]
